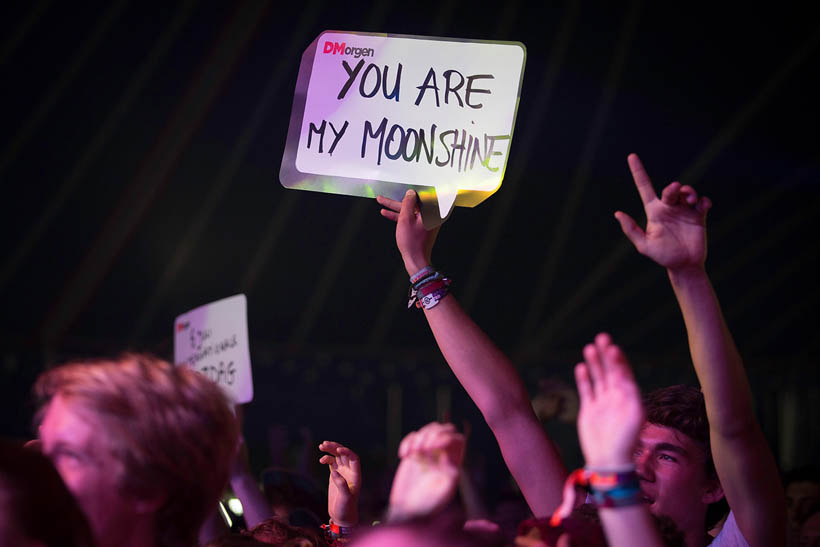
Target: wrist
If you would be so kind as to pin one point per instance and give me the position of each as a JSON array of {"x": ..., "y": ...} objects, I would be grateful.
[
  {"x": 611, "y": 462},
  {"x": 414, "y": 265},
  {"x": 686, "y": 273},
  {"x": 241, "y": 476},
  {"x": 350, "y": 522}
]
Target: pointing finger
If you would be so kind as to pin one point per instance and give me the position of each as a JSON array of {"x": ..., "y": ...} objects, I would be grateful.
[{"x": 642, "y": 180}]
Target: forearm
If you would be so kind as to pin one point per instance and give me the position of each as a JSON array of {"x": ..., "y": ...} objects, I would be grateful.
[
  {"x": 483, "y": 370},
  {"x": 717, "y": 363},
  {"x": 495, "y": 386},
  {"x": 743, "y": 460},
  {"x": 628, "y": 526},
  {"x": 254, "y": 505},
  {"x": 213, "y": 527}
]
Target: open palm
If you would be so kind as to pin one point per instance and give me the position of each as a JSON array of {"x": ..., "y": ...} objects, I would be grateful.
[{"x": 344, "y": 483}]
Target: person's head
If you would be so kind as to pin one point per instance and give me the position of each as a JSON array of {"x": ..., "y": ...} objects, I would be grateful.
[
  {"x": 802, "y": 494},
  {"x": 139, "y": 442},
  {"x": 36, "y": 509},
  {"x": 674, "y": 457}
]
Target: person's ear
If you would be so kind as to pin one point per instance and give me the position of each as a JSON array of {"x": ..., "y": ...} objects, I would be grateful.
[{"x": 713, "y": 492}]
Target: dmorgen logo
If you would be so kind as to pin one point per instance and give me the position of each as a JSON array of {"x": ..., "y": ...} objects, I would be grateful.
[{"x": 343, "y": 49}]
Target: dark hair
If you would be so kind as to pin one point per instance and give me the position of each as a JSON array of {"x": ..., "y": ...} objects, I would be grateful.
[
  {"x": 684, "y": 409},
  {"x": 37, "y": 500}
]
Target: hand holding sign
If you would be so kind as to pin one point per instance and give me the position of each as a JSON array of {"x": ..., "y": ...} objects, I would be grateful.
[
  {"x": 381, "y": 114},
  {"x": 415, "y": 242}
]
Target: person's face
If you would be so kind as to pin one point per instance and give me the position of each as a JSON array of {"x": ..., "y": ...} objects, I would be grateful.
[
  {"x": 74, "y": 445},
  {"x": 672, "y": 476},
  {"x": 802, "y": 499}
]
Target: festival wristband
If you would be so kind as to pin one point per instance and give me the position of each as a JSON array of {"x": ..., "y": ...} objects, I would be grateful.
[
  {"x": 421, "y": 274},
  {"x": 334, "y": 530},
  {"x": 609, "y": 488},
  {"x": 428, "y": 289}
]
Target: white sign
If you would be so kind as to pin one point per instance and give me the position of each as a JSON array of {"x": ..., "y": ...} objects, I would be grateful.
[
  {"x": 213, "y": 339},
  {"x": 379, "y": 114}
]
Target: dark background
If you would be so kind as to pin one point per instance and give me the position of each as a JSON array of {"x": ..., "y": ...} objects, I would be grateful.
[{"x": 139, "y": 162}]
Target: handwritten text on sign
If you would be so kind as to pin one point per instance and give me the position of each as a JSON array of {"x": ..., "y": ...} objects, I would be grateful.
[
  {"x": 213, "y": 339},
  {"x": 378, "y": 114}
]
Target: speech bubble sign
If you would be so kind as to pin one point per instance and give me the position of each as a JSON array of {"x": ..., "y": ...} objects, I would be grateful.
[
  {"x": 213, "y": 339},
  {"x": 380, "y": 114}
]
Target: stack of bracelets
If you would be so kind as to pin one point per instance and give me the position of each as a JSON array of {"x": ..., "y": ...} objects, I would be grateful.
[
  {"x": 609, "y": 488},
  {"x": 427, "y": 288}
]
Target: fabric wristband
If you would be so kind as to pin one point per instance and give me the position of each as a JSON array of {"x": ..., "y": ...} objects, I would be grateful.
[
  {"x": 421, "y": 274},
  {"x": 614, "y": 488},
  {"x": 334, "y": 530},
  {"x": 427, "y": 288},
  {"x": 609, "y": 488}
]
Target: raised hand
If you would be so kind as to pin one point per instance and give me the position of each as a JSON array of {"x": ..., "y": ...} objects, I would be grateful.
[
  {"x": 344, "y": 483},
  {"x": 427, "y": 476},
  {"x": 611, "y": 413},
  {"x": 675, "y": 234},
  {"x": 415, "y": 243}
]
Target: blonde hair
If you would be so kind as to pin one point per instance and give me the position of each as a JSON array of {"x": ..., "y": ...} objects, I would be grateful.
[{"x": 169, "y": 427}]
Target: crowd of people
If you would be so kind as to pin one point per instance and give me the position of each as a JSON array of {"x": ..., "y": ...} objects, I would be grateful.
[{"x": 136, "y": 452}]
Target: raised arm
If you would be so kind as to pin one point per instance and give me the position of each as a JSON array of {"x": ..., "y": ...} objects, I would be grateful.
[
  {"x": 427, "y": 477},
  {"x": 609, "y": 420},
  {"x": 255, "y": 507},
  {"x": 487, "y": 375},
  {"x": 675, "y": 238},
  {"x": 344, "y": 483}
]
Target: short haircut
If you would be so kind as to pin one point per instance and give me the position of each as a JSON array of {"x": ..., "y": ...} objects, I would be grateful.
[
  {"x": 170, "y": 428},
  {"x": 682, "y": 408}
]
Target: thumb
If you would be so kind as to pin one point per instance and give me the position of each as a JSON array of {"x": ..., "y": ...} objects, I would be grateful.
[
  {"x": 340, "y": 482},
  {"x": 631, "y": 229},
  {"x": 408, "y": 208}
]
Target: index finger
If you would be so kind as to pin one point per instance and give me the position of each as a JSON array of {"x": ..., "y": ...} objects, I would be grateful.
[
  {"x": 330, "y": 447},
  {"x": 642, "y": 180},
  {"x": 388, "y": 203}
]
